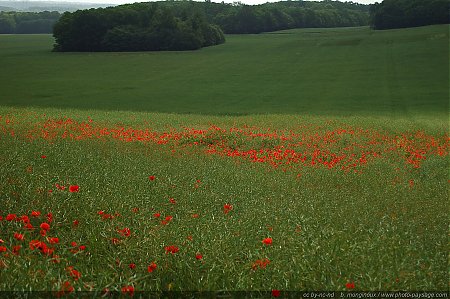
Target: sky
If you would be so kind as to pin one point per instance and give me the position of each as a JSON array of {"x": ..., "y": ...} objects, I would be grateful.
[{"x": 226, "y": 1}]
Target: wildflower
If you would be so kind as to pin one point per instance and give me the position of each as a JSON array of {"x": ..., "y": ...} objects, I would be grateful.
[
  {"x": 132, "y": 266},
  {"x": 2, "y": 249},
  {"x": 125, "y": 232},
  {"x": 74, "y": 188},
  {"x": 227, "y": 208},
  {"x": 29, "y": 226},
  {"x": 128, "y": 290},
  {"x": 169, "y": 218},
  {"x": 35, "y": 213},
  {"x": 195, "y": 215},
  {"x": 267, "y": 241},
  {"x": 16, "y": 249},
  {"x": 75, "y": 223},
  {"x": 11, "y": 217},
  {"x": 49, "y": 217},
  {"x": 18, "y": 236},
  {"x": 151, "y": 178},
  {"x": 74, "y": 273},
  {"x": 43, "y": 156},
  {"x": 135, "y": 210},
  {"x": 172, "y": 201},
  {"x": 25, "y": 219},
  {"x": 275, "y": 293},
  {"x": 157, "y": 215},
  {"x": 115, "y": 241},
  {"x": 350, "y": 285},
  {"x": 45, "y": 226},
  {"x": 199, "y": 256},
  {"x": 73, "y": 244},
  {"x": 100, "y": 212},
  {"x": 82, "y": 247},
  {"x": 151, "y": 267},
  {"x": 262, "y": 264},
  {"x": 43, "y": 232},
  {"x": 172, "y": 249},
  {"x": 65, "y": 289},
  {"x": 53, "y": 240}
]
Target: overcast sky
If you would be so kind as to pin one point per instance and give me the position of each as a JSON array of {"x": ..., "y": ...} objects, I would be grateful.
[{"x": 227, "y": 1}]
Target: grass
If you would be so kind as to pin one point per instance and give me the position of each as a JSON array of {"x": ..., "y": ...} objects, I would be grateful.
[
  {"x": 316, "y": 71},
  {"x": 353, "y": 192}
]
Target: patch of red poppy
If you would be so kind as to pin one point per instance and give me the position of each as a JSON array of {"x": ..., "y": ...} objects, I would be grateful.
[
  {"x": 16, "y": 249},
  {"x": 262, "y": 264},
  {"x": 18, "y": 236},
  {"x": 171, "y": 249},
  {"x": 125, "y": 232},
  {"x": 75, "y": 223},
  {"x": 11, "y": 217},
  {"x": 53, "y": 240},
  {"x": 74, "y": 188},
  {"x": 267, "y": 241},
  {"x": 199, "y": 256},
  {"x": 152, "y": 267},
  {"x": 276, "y": 293},
  {"x": 151, "y": 178},
  {"x": 157, "y": 215},
  {"x": 45, "y": 226},
  {"x": 35, "y": 213},
  {"x": 350, "y": 285},
  {"x": 128, "y": 290},
  {"x": 3, "y": 249},
  {"x": 227, "y": 208}
]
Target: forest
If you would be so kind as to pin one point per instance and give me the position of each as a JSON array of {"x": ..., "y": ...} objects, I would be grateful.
[
  {"x": 408, "y": 13},
  {"x": 28, "y": 22}
]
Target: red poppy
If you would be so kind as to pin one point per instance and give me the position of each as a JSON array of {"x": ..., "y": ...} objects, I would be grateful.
[
  {"x": 73, "y": 244},
  {"x": 135, "y": 210},
  {"x": 172, "y": 249},
  {"x": 172, "y": 201},
  {"x": 35, "y": 213},
  {"x": 24, "y": 218},
  {"x": 43, "y": 156},
  {"x": 151, "y": 267},
  {"x": 45, "y": 226},
  {"x": 49, "y": 217},
  {"x": 350, "y": 285},
  {"x": 262, "y": 264},
  {"x": 227, "y": 208},
  {"x": 11, "y": 217},
  {"x": 151, "y": 178},
  {"x": 65, "y": 288},
  {"x": 75, "y": 223},
  {"x": 115, "y": 241},
  {"x": 18, "y": 236},
  {"x": 2, "y": 249},
  {"x": 53, "y": 240},
  {"x": 267, "y": 241},
  {"x": 74, "y": 273},
  {"x": 132, "y": 266},
  {"x": 74, "y": 188},
  {"x": 198, "y": 256},
  {"x": 82, "y": 247},
  {"x": 157, "y": 215},
  {"x": 128, "y": 290},
  {"x": 275, "y": 293},
  {"x": 195, "y": 215},
  {"x": 125, "y": 232},
  {"x": 100, "y": 212},
  {"x": 43, "y": 232},
  {"x": 16, "y": 249},
  {"x": 29, "y": 226},
  {"x": 169, "y": 218}
]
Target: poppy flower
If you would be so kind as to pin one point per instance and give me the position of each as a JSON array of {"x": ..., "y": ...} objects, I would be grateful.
[
  {"x": 45, "y": 226},
  {"x": 53, "y": 240},
  {"x": 43, "y": 156},
  {"x": 29, "y": 226},
  {"x": 74, "y": 273},
  {"x": 2, "y": 249},
  {"x": 75, "y": 223},
  {"x": 227, "y": 208},
  {"x": 157, "y": 215},
  {"x": 151, "y": 267},
  {"x": 172, "y": 249},
  {"x": 132, "y": 266},
  {"x": 18, "y": 236},
  {"x": 125, "y": 232},
  {"x": 267, "y": 241},
  {"x": 115, "y": 241},
  {"x": 16, "y": 249},
  {"x": 135, "y": 210},
  {"x": 195, "y": 215},
  {"x": 73, "y": 244},
  {"x": 74, "y": 188},
  {"x": 275, "y": 293},
  {"x": 49, "y": 217},
  {"x": 350, "y": 285},
  {"x": 172, "y": 201},
  {"x": 24, "y": 218},
  {"x": 151, "y": 178},
  {"x": 35, "y": 213},
  {"x": 198, "y": 256},
  {"x": 11, "y": 217},
  {"x": 82, "y": 247},
  {"x": 128, "y": 290}
]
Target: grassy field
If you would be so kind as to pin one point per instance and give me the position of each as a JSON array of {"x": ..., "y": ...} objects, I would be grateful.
[
  {"x": 299, "y": 160},
  {"x": 318, "y": 71}
]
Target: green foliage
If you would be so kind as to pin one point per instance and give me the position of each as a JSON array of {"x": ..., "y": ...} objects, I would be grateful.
[
  {"x": 28, "y": 22},
  {"x": 409, "y": 13},
  {"x": 148, "y": 27}
]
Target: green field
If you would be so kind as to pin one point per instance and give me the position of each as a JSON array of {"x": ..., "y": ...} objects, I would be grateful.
[
  {"x": 172, "y": 171},
  {"x": 314, "y": 71}
]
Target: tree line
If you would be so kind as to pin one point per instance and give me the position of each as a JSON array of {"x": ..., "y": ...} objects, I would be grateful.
[
  {"x": 409, "y": 13},
  {"x": 28, "y": 22}
]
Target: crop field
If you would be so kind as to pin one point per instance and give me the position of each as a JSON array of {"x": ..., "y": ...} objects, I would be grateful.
[{"x": 300, "y": 160}]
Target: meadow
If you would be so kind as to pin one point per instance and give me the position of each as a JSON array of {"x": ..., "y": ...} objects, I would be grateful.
[{"x": 299, "y": 160}]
